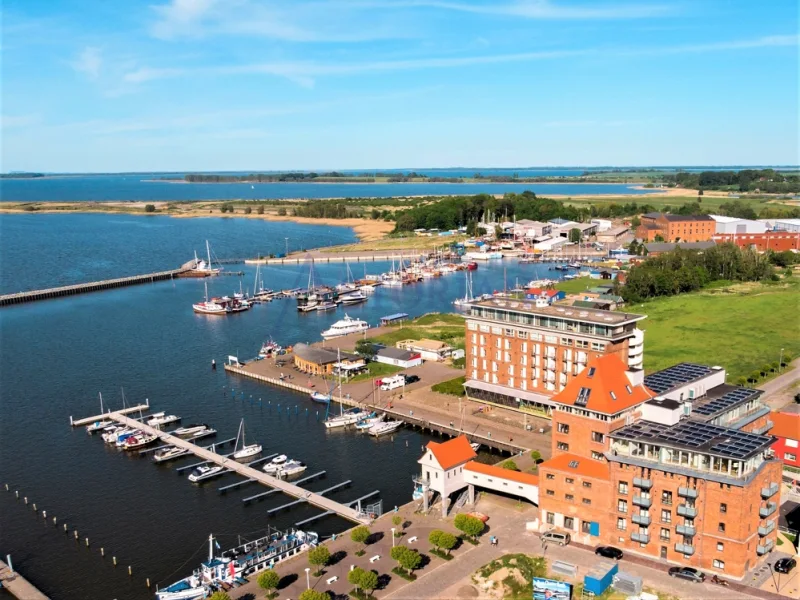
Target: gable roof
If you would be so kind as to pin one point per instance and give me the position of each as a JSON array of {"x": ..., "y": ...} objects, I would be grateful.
[
  {"x": 502, "y": 473},
  {"x": 397, "y": 353},
  {"x": 577, "y": 465},
  {"x": 609, "y": 389},
  {"x": 452, "y": 452},
  {"x": 321, "y": 356},
  {"x": 785, "y": 425}
]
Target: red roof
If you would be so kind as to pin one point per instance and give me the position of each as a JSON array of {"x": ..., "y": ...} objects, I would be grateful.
[
  {"x": 609, "y": 390},
  {"x": 786, "y": 425},
  {"x": 452, "y": 452},
  {"x": 579, "y": 465},
  {"x": 502, "y": 473},
  {"x": 540, "y": 291}
]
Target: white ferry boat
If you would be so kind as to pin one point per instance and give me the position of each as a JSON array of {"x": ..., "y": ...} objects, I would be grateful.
[{"x": 344, "y": 327}]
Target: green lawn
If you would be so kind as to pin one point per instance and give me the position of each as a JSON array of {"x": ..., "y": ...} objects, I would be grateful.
[
  {"x": 740, "y": 327},
  {"x": 454, "y": 387},
  {"x": 448, "y": 328},
  {"x": 580, "y": 284},
  {"x": 376, "y": 369},
  {"x": 659, "y": 201}
]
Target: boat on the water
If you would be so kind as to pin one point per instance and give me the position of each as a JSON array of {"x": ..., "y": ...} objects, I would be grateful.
[
  {"x": 356, "y": 297},
  {"x": 325, "y": 306},
  {"x": 163, "y": 420},
  {"x": 384, "y": 428},
  {"x": 210, "y": 307},
  {"x": 291, "y": 467},
  {"x": 370, "y": 421},
  {"x": 190, "y": 430},
  {"x": 245, "y": 450},
  {"x": 343, "y": 420},
  {"x": 169, "y": 453},
  {"x": 205, "y": 472},
  {"x": 345, "y": 326},
  {"x": 320, "y": 397},
  {"x": 275, "y": 464},
  {"x": 98, "y": 426},
  {"x": 269, "y": 348},
  {"x": 139, "y": 441},
  {"x": 123, "y": 437}
]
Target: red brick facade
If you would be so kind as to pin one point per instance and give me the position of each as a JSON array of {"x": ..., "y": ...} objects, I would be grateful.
[
  {"x": 673, "y": 228},
  {"x": 777, "y": 241}
]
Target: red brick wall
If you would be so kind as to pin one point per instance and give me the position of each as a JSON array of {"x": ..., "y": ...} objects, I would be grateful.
[
  {"x": 777, "y": 242},
  {"x": 757, "y": 424},
  {"x": 691, "y": 230},
  {"x": 598, "y": 495}
]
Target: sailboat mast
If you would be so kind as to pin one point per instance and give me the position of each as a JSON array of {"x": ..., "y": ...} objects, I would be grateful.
[
  {"x": 339, "y": 360},
  {"x": 208, "y": 253},
  {"x": 210, "y": 547}
]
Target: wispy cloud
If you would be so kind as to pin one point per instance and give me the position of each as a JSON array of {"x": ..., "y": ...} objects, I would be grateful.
[
  {"x": 16, "y": 121},
  {"x": 770, "y": 41},
  {"x": 89, "y": 62}
]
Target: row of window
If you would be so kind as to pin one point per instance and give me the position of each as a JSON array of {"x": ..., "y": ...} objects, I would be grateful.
[
  {"x": 537, "y": 337},
  {"x": 564, "y": 447},
  {"x": 569, "y": 497},
  {"x": 597, "y": 436}
]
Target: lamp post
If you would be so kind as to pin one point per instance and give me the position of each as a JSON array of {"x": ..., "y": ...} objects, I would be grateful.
[
  {"x": 780, "y": 362},
  {"x": 392, "y": 537},
  {"x": 308, "y": 579}
]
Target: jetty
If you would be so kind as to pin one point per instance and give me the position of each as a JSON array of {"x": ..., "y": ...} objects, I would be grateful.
[
  {"x": 17, "y": 585},
  {"x": 245, "y": 470},
  {"x": 321, "y": 257}
]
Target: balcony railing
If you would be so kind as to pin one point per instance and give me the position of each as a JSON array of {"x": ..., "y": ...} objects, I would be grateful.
[
  {"x": 643, "y": 501},
  {"x": 686, "y": 530},
  {"x": 765, "y": 428},
  {"x": 642, "y": 538},
  {"x": 642, "y": 483},
  {"x": 767, "y": 510},
  {"x": 769, "y": 491},
  {"x": 765, "y": 547},
  {"x": 765, "y": 531},
  {"x": 685, "y": 510},
  {"x": 684, "y": 549},
  {"x": 687, "y": 492},
  {"x": 640, "y": 519}
]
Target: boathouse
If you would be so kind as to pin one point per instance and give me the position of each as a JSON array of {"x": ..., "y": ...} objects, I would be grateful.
[{"x": 322, "y": 361}]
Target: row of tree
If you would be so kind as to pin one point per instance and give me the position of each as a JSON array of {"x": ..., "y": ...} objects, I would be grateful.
[
  {"x": 270, "y": 177},
  {"x": 746, "y": 180}
]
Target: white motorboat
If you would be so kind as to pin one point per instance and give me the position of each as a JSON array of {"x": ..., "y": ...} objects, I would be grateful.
[
  {"x": 190, "y": 430},
  {"x": 368, "y": 423},
  {"x": 384, "y": 428},
  {"x": 320, "y": 397},
  {"x": 188, "y": 588},
  {"x": 326, "y": 306},
  {"x": 140, "y": 441},
  {"x": 342, "y": 420},
  {"x": 169, "y": 453},
  {"x": 275, "y": 464},
  {"x": 163, "y": 420},
  {"x": 353, "y": 298},
  {"x": 123, "y": 437},
  {"x": 111, "y": 433},
  {"x": 344, "y": 327},
  {"x": 245, "y": 450},
  {"x": 98, "y": 426},
  {"x": 205, "y": 472},
  {"x": 367, "y": 289},
  {"x": 292, "y": 467}
]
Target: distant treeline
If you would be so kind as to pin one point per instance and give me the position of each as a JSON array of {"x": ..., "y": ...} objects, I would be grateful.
[
  {"x": 20, "y": 175},
  {"x": 681, "y": 271},
  {"x": 274, "y": 177},
  {"x": 326, "y": 209},
  {"x": 748, "y": 180}
]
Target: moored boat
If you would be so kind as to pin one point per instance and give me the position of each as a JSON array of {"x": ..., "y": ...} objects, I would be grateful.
[
  {"x": 275, "y": 464},
  {"x": 325, "y": 306},
  {"x": 345, "y": 326},
  {"x": 190, "y": 430},
  {"x": 205, "y": 472},
  {"x": 320, "y": 397},
  {"x": 245, "y": 450},
  {"x": 169, "y": 453},
  {"x": 356, "y": 297},
  {"x": 384, "y": 428},
  {"x": 291, "y": 467},
  {"x": 139, "y": 441},
  {"x": 98, "y": 426},
  {"x": 163, "y": 420}
]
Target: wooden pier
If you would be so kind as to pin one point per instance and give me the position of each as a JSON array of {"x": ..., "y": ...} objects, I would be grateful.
[
  {"x": 107, "y": 416},
  {"x": 17, "y": 585},
  {"x": 318, "y": 257},
  {"x": 246, "y": 471}
]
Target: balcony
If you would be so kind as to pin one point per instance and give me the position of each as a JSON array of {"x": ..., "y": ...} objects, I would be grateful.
[
  {"x": 685, "y": 549},
  {"x": 767, "y": 510},
  {"x": 643, "y": 501},
  {"x": 770, "y": 491},
  {"x": 644, "y": 484},
  {"x": 640, "y": 519},
  {"x": 765, "y": 531},
  {"x": 642, "y": 538},
  {"x": 686, "y": 530},
  {"x": 685, "y": 510},
  {"x": 687, "y": 492},
  {"x": 764, "y": 429},
  {"x": 764, "y": 548}
]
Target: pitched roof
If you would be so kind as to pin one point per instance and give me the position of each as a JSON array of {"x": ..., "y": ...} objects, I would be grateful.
[
  {"x": 678, "y": 218},
  {"x": 786, "y": 425},
  {"x": 667, "y": 246},
  {"x": 396, "y": 353},
  {"x": 603, "y": 387},
  {"x": 430, "y": 344},
  {"x": 502, "y": 473},
  {"x": 452, "y": 452},
  {"x": 579, "y": 465}
]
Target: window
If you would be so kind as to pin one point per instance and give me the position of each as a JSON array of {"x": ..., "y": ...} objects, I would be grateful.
[
  {"x": 581, "y": 344},
  {"x": 563, "y": 428},
  {"x": 591, "y": 372},
  {"x": 598, "y": 437},
  {"x": 550, "y": 492},
  {"x": 666, "y": 516},
  {"x": 586, "y": 501},
  {"x": 587, "y": 484},
  {"x": 583, "y": 397},
  {"x": 720, "y": 547},
  {"x": 569, "y": 523},
  {"x": 623, "y": 487},
  {"x": 622, "y": 524},
  {"x": 666, "y": 498},
  {"x": 550, "y": 518},
  {"x": 569, "y": 498},
  {"x": 597, "y": 455},
  {"x": 723, "y": 508},
  {"x": 523, "y": 335},
  {"x": 586, "y": 527},
  {"x": 622, "y": 506},
  {"x": 788, "y": 456},
  {"x": 550, "y": 476},
  {"x": 570, "y": 480},
  {"x": 718, "y": 564},
  {"x": 721, "y": 527},
  {"x": 664, "y": 534},
  {"x": 566, "y": 342},
  {"x": 613, "y": 395},
  {"x": 563, "y": 446},
  {"x": 598, "y": 347}
]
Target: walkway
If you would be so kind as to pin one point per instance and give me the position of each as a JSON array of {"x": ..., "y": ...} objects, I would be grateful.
[
  {"x": 782, "y": 381},
  {"x": 17, "y": 585}
]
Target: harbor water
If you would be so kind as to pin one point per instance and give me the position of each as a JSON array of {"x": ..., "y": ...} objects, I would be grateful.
[{"x": 57, "y": 355}]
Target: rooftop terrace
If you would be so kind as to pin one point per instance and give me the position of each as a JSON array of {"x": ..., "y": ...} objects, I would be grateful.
[{"x": 588, "y": 315}]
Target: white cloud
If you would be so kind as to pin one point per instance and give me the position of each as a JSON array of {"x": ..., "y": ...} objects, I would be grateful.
[
  {"x": 89, "y": 62},
  {"x": 17, "y": 121}
]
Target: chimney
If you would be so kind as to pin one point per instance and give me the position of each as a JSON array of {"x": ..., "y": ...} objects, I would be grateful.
[{"x": 635, "y": 376}]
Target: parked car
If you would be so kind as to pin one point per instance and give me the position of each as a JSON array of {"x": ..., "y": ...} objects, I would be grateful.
[
  {"x": 556, "y": 537},
  {"x": 411, "y": 378},
  {"x": 688, "y": 573},
  {"x": 784, "y": 565},
  {"x": 609, "y": 552}
]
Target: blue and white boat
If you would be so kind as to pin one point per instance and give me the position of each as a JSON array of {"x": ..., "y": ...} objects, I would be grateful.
[
  {"x": 320, "y": 397},
  {"x": 368, "y": 421}
]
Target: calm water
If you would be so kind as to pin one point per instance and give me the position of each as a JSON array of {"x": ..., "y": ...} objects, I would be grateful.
[
  {"x": 142, "y": 187},
  {"x": 55, "y": 356}
]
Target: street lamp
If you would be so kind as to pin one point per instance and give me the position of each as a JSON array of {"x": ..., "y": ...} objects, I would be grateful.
[
  {"x": 392, "y": 537},
  {"x": 308, "y": 579},
  {"x": 780, "y": 362}
]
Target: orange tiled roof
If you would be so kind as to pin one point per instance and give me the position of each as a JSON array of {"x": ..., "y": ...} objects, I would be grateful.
[
  {"x": 502, "y": 473},
  {"x": 611, "y": 390},
  {"x": 585, "y": 467},
  {"x": 786, "y": 425},
  {"x": 452, "y": 452}
]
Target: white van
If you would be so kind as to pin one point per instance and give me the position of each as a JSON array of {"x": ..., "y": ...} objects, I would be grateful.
[
  {"x": 391, "y": 383},
  {"x": 556, "y": 537}
]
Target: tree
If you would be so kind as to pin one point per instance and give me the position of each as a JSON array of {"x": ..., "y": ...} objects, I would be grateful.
[
  {"x": 319, "y": 557},
  {"x": 469, "y": 525},
  {"x": 575, "y": 235},
  {"x": 397, "y": 520},
  {"x": 447, "y": 541},
  {"x": 635, "y": 221},
  {"x": 375, "y": 214},
  {"x": 248, "y": 210},
  {"x": 434, "y": 537},
  {"x": 510, "y": 465},
  {"x": 360, "y": 535},
  {"x": 149, "y": 208},
  {"x": 754, "y": 376},
  {"x": 355, "y": 577},
  {"x": 765, "y": 369},
  {"x": 741, "y": 381},
  {"x": 369, "y": 581},
  {"x": 658, "y": 238},
  {"x": 536, "y": 456},
  {"x": 406, "y": 557},
  {"x": 281, "y": 212},
  {"x": 268, "y": 580},
  {"x": 313, "y": 595},
  {"x": 365, "y": 348},
  {"x": 219, "y": 596}
]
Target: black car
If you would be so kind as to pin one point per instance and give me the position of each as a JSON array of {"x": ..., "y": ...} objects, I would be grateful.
[
  {"x": 688, "y": 573},
  {"x": 609, "y": 552},
  {"x": 411, "y": 378},
  {"x": 784, "y": 565}
]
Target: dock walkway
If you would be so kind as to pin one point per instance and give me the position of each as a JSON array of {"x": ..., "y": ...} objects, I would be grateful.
[
  {"x": 248, "y": 472},
  {"x": 17, "y": 585}
]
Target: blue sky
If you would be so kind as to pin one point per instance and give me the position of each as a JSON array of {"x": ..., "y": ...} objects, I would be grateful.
[{"x": 98, "y": 86}]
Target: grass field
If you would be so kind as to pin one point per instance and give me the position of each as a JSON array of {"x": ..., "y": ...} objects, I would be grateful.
[
  {"x": 411, "y": 243},
  {"x": 581, "y": 284},
  {"x": 447, "y": 328},
  {"x": 659, "y": 201},
  {"x": 737, "y": 326},
  {"x": 453, "y": 387},
  {"x": 376, "y": 369}
]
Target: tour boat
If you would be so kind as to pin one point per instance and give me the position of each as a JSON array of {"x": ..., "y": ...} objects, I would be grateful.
[
  {"x": 275, "y": 464},
  {"x": 190, "y": 430},
  {"x": 291, "y": 467},
  {"x": 205, "y": 472},
  {"x": 244, "y": 451},
  {"x": 210, "y": 307},
  {"x": 320, "y": 397},
  {"x": 344, "y": 327},
  {"x": 140, "y": 441},
  {"x": 325, "y": 306},
  {"x": 356, "y": 297},
  {"x": 98, "y": 425},
  {"x": 169, "y": 453},
  {"x": 383, "y": 428},
  {"x": 163, "y": 420}
]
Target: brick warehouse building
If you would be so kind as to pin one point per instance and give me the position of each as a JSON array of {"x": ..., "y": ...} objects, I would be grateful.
[
  {"x": 519, "y": 354},
  {"x": 684, "y": 228},
  {"x": 777, "y": 241},
  {"x": 674, "y": 465}
]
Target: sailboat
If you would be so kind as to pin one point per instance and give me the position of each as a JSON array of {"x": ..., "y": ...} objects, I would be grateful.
[
  {"x": 344, "y": 419},
  {"x": 245, "y": 451},
  {"x": 463, "y": 303},
  {"x": 210, "y": 307},
  {"x": 393, "y": 279},
  {"x": 259, "y": 292},
  {"x": 101, "y": 424},
  {"x": 203, "y": 267}
]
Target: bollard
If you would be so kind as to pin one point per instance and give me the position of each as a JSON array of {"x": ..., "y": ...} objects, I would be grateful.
[
  {"x": 34, "y": 507},
  {"x": 130, "y": 572},
  {"x": 115, "y": 560},
  {"x": 103, "y": 552},
  {"x": 16, "y": 493},
  {"x": 55, "y": 521},
  {"x": 44, "y": 514},
  {"x": 26, "y": 499},
  {"x": 6, "y": 487},
  {"x": 65, "y": 528},
  {"x": 76, "y": 534},
  {"x": 147, "y": 581},
  {"x": 87, "y": 542}
]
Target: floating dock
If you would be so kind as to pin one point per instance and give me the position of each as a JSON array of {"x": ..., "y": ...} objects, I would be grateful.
[{"x": 17, "y": 585}]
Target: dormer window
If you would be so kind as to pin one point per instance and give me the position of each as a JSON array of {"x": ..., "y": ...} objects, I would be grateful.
[
  {"x": 583, "y": 397},
  {"x": 613, "y": 396},
  {"x": 591, "y": 371},
  {"x": 627, "y": 387}
]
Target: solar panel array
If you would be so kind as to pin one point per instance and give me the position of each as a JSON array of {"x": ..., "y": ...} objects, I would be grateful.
[
  {"x": 726, "y": 401},
  {"x": 695, "y": 435},
  {"x": 675, "y": 376}
]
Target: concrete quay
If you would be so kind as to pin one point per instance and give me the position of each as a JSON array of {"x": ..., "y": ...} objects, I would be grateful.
[{"x": 17, "y": 585}]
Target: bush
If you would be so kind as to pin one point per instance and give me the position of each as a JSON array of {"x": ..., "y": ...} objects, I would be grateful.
[
  {"x": 510, "y": 465},
  {"x": 248, "y": 210},
  {"x": 281, "y": 212},
  {"x": 260, "y": 210},
  {"x": 149, "y": 208},
  {"x": 472, "y": 527},
  {"x": 313, "y": 595}
]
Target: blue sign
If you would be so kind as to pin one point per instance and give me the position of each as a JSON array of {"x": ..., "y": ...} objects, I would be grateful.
[{"x": 550, "y": 589}]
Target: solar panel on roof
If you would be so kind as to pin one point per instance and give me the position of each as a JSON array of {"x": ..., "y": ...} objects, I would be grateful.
[
  {"x": 725, "y": 401},
  {"x": 675, "y": 376}
]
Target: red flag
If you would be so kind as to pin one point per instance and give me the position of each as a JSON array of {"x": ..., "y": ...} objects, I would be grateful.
[{"x": 232, "y": 569}]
